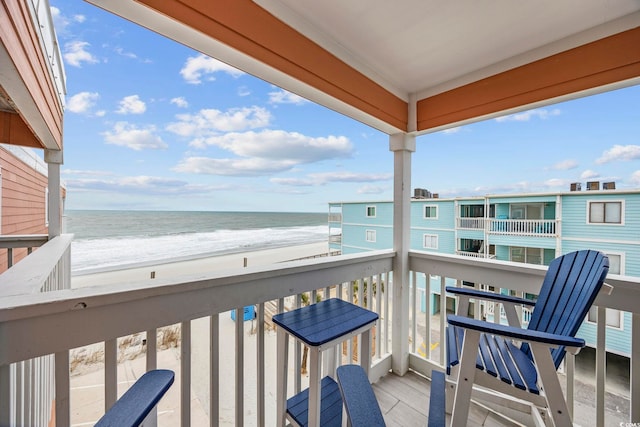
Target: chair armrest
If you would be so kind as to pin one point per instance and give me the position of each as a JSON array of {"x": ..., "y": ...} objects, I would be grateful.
[
  {"x": 134, "y": 406},
  {"x": 474, "y": 293},
  {"x": 358, "y": 397},
  {"x": 515, "y": 333}
]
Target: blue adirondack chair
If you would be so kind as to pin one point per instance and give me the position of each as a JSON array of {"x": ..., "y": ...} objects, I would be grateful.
[
  {"x": 486, "y": 355},
  {"x": 134, "y": 406}
]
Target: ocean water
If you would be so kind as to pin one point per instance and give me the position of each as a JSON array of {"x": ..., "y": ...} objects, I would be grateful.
[{"x": 108, "y": 239}]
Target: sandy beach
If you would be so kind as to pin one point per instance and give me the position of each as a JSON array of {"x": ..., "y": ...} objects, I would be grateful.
[
  {"x": 87, "y": 385},
  {"x": 197, "y": 265}
]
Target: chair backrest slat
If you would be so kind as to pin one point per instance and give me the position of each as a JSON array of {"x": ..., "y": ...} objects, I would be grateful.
[{"x": 569, "y": 288}]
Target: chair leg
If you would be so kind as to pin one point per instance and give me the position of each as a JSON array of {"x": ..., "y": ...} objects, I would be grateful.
[
  {"x": 551, "y": 385},
  {"x": 466, "y": 376}
]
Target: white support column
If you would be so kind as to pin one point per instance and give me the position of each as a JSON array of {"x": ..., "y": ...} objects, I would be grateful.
[
  {"x": 54, "y": 160},
  {"x": 402, "y": 146}
]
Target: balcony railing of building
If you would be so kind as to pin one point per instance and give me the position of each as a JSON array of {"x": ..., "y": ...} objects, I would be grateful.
[
  {"x": 28, "y": 242},
  {"x": 30, "y": 384},
  {"x": 475, "y": 254},
  {"x": 335, "y": 217},
  {"x": 335, "y": 238},
  {"x": 54, "y": 323},
  {"x": 518, "y": 227},
  {"x": 523, "y": 227},
  {"x": 41, "y": 15},
  {"x": 471, "y": 223},
  {"x": 427, "y": 352}
]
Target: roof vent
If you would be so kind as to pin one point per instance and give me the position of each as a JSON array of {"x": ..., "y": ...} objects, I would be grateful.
[
  {"x": 608, "y": 185},
  {"x": 593, "y": 185},
  {"x": 575, "y": 186}
]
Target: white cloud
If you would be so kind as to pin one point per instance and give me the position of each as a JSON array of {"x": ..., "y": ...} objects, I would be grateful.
[
  {"x": 179, "y": 102},
  {"x": 635, "y": 178},
  {"x": 279, "y": 144},
  {"x": 83, "y": 102},
  {"x": 556, "y": 183},
  {"x": 285, "y": 97},
  {"x": 233, "y": 167},
  {"x": 199, "y": 66},
  {"x": 143, "y": 185},
  {"x": 59, "y": 20},
  {"x": 323, "y": 178},
  {"x": 620, "y": 153},
  {"x": 127, "y": 135},
  {"x": 76, "y": 53},
  {"x": 452, "y": 130},
  {"x": 131, "y": 105},
  {"x": 589, "y": 174},
  {"x": 565, "y": 165},
  {"x": 370, "y": 189},
  {"x": 120, "y": 51},
  {"x": 525, "y": 116},
  {"x": 210, "y": 122},
  {"x": 244, "y": 91},
  {"x": 85, "y": 172}
]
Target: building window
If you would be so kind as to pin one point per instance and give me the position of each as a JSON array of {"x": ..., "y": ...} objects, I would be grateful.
[
  {"x": 371, "y": 236},
  {"x": 605, "y": 213},
  {"x": 431, "y": 212},
  {"x": 526, "y": 255},
  {"x": 371, "y": 211},
  {"x": 614, "y": 317},
  {"x": 430, "y": 241}
]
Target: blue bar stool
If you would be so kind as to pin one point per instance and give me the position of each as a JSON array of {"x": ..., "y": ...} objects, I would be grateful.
[{"x": 321, "y": 326}]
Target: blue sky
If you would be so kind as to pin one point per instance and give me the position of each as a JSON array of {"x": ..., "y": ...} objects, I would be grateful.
[{"x": 151, "y": 124}]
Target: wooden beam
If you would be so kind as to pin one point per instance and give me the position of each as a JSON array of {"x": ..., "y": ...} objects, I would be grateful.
[
  {"x": 609, "y": 60},
  {"x": 14, "y": 131},
  {"x": 250, "y": 29}
]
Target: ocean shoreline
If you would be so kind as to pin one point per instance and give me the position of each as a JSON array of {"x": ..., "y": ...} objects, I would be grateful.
[
  {"x": 185, "y": 258},
  {"x": 197, "y": 264}
]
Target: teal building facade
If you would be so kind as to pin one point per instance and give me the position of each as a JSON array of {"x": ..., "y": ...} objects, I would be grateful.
[{"x": 529, "y": 228}]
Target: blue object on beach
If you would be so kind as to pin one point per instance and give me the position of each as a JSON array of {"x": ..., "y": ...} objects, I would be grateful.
[{"x": 249, "y": 313}]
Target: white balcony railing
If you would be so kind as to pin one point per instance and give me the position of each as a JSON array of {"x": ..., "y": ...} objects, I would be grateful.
[
  {"x": 28, "y": 242},
  {"x": 475, "y": 254},
  {"x": 335, "y": 238},
  {"x": 57, "y": 322},
  {"x": 335, "y": 217},
  {"x": 523, "y": 227},
  {"x": 27, "y": 386},
  {"x": 470, "y": 223},
  {"x": 522, "y": 278},
  {"x": 43, "y": 20}
]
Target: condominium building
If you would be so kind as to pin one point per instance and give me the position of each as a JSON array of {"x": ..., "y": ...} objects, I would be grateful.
[{"x": 526, "y": 228}]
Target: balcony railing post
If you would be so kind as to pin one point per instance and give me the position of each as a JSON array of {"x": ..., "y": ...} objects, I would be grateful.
[
  {"x": 54, "y": 160},
  {"x": 402, "y": 146}
]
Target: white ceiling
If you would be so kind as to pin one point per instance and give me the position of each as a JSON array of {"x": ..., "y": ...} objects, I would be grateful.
[{"x": 422, "y": 46}]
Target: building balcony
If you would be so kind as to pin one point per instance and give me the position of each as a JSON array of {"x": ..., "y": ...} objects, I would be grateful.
[
  {"x": 236, "y": 368},
  {"x": 32, "y": 81},
  {"x": 512, "y": 227}
]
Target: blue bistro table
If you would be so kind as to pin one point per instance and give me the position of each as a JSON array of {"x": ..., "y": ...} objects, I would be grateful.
[{"x": 320, "y": 326}]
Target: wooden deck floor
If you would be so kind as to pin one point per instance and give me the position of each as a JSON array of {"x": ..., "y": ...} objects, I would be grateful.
[{"x": 404, "y": 402}]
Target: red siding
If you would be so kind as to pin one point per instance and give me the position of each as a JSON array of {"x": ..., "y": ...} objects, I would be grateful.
[{"x": 23, "y": 202}]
